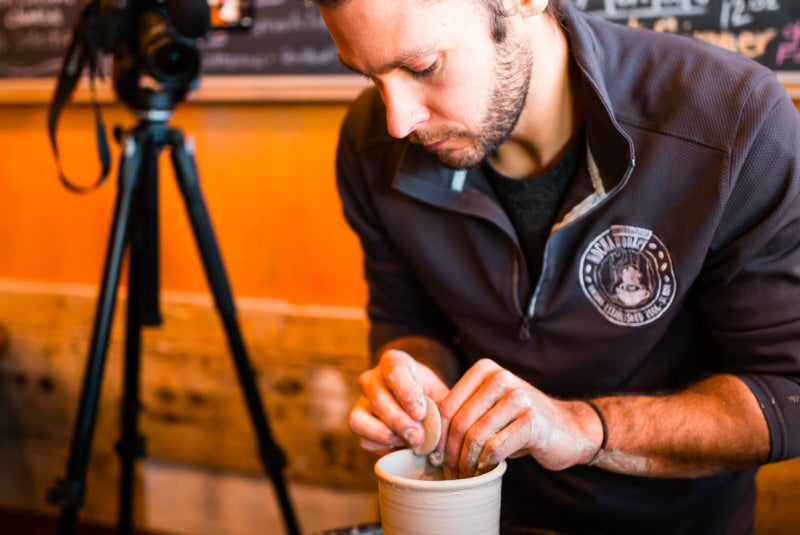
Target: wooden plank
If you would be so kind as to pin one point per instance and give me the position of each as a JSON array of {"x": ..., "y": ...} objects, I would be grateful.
[
  {"x": 31, "y": 466},
  {"x": 327, "y": 88},
  {"x": 180, "y": 500},
  {"x": 306, "y": 362},
  {"x": 305, "y": 366}
]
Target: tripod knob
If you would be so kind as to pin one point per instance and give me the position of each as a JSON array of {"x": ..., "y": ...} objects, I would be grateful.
[
  {"x": 69, "y": 493},
  {"x": 133, "y": 448}
]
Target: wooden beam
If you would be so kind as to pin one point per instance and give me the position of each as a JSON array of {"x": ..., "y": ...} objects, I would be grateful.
[
  {"x": 306, "y": 362},
  {"x": 306, "y": 366}
]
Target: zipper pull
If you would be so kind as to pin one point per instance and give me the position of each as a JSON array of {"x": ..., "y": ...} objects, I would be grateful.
[{"x": 525, "y": 329}]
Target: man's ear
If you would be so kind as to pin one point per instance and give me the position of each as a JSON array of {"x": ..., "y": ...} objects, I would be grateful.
[{"x": 526, "y": 8}]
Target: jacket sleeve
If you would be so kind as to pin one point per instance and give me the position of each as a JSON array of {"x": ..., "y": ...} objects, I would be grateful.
[
  {"x": 365, "y": 166},
  {"x": 750, "y": 285}
]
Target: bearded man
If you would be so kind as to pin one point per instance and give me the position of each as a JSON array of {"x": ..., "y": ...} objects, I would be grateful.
[{"x": 509, "y": 154}]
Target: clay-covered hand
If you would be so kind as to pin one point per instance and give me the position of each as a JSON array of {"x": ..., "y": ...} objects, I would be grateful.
[
  {"x": 491, "y": 415},
  {"x": 392, "y": 402}
]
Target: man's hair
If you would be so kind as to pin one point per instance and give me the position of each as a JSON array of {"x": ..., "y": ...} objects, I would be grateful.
[{"x": 496, "y": 11}]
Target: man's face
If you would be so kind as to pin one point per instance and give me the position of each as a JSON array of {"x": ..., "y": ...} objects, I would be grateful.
[{"x": 445, "y": 82}]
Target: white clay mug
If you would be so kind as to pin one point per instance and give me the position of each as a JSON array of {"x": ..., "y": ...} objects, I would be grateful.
[{"x": 411, "y": 503}]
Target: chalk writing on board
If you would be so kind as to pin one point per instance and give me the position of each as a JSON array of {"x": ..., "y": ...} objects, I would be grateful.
[
  {"x": 623, "y": 9},
  {"x": 293, "y": 21},
  {"x": 732, "y": 13},
  {"x": 289, "y": 37},
  {"x": 762, "y": 30},
  {"x": 34, "y": 35},
  {"x": 789, "y": 48}
]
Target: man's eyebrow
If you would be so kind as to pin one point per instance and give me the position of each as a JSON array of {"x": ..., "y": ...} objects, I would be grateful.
[
  {"x": 400, "y": 61},
  {"x": 349, "y": 67}
]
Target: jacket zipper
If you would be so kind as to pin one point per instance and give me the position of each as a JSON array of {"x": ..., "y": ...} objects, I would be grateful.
[{"x": 524, "y": 333}]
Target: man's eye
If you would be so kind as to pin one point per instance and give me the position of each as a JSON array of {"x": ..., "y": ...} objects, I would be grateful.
[{"x": 425, "y": 72}]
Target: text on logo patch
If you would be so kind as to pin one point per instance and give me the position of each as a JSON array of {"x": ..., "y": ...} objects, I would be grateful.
[{"x": 626, "y": 272}]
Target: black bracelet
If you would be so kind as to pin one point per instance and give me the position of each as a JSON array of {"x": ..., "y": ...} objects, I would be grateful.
[{"x": 603, "y": 423}]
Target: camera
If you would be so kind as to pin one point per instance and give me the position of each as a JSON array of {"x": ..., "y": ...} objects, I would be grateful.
[
  {"x": 154, "y": 64},
  {"x": 156, "y": 57}
]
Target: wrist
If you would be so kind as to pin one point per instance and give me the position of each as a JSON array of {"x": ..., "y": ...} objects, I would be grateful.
[
  {"x": 587, "y": 430},
  {"x": 603, "y": 430}
]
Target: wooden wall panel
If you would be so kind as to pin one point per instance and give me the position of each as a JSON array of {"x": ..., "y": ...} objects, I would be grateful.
[
  {"x": 306, "y": 367},
  {"x": 267, "y": 173},
  {"x": 306, "y": 362}
]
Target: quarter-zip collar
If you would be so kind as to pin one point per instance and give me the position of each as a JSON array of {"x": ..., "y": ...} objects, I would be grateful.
[{"x": 421, "y": 176}]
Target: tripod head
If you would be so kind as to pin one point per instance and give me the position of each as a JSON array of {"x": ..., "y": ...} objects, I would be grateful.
[
  {"x": 156, "y": 57},
  {"x": 155, "y": 65}
]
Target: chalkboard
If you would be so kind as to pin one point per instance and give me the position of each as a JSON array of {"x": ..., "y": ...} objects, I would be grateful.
[
  {"x": 288, "y": 38},
  {"x": 767, "y": 31}
]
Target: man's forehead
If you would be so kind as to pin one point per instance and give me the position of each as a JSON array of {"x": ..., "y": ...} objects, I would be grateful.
[
  {"x": 374, "y": 37},
  {"x": 395, "y": 60},
  {"x": 333, "y": 4}
]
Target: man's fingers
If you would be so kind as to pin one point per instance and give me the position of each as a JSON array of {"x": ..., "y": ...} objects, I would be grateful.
[
  {"x": 376, "y": 448},
  {"x": 393, "y": 396},
  {"x": 470, "y": 399},
  {"x": 485, "y": 429},
  {"x": 455, "y": 399},
  {"x": 384, "y": 406},
  {"x": 401, "y": 374},
  {"x": 371, "y": 429},
  {"x": 505, "y": 443}
]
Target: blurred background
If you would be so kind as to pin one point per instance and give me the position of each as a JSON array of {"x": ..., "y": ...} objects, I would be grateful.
[
  {"x": 265, "y": 136},
  {"x": 266, "y": 171}
]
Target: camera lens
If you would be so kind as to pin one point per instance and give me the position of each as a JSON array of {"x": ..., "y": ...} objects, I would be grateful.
[
  {"x": 169, "y": 58},
  {"x": 173, "y": 62}
]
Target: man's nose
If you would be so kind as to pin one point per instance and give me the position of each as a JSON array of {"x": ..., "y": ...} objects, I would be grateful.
[{"x": 405, "y": 109}]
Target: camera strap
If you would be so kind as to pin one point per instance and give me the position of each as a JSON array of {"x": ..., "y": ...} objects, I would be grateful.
[{"x": 82, "y": 50}]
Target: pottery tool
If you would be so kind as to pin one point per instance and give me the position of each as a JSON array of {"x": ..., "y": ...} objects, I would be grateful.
[{"x": 432, "y": 427}]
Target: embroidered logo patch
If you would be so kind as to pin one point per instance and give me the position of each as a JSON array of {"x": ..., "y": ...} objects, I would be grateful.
[{"x": 626, "y": 272}]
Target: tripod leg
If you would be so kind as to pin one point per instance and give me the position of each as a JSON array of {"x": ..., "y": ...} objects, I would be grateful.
[
  {"x": 142, "y": 297},
  {"x": 69, "y": 492},
  {"x": 131, "y": 445},
  {"x": 271, "y": 455}
]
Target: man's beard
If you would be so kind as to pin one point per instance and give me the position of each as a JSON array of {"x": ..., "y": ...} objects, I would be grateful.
[{"x": 512, "y": 80}]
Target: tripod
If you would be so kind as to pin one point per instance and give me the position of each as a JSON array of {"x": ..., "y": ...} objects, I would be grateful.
[{"x": 135, "y": 226}]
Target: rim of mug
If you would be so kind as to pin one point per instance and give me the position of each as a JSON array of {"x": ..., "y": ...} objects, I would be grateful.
[{"x": 474, "y": 481}]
